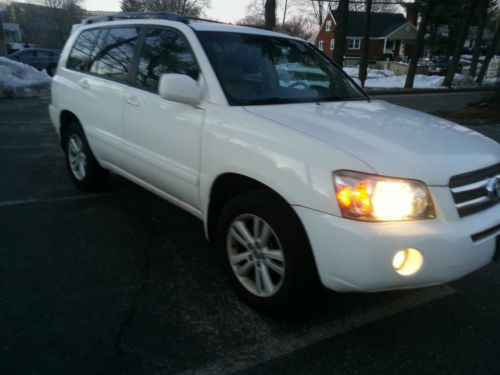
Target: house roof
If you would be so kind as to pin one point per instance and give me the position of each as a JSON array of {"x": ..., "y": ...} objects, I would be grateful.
[{"x": 381, "y": 24}]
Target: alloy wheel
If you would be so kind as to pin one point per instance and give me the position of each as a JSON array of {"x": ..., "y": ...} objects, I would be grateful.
[{"x": 256, "y": 255}]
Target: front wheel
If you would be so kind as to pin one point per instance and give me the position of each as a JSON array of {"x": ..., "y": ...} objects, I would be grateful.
[
  {"x": 267, "y": 253},
  {"x": 83, "y": 168}
]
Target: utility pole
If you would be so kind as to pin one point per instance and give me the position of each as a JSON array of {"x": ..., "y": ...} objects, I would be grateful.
[
  {"x": 341, "y": 32},
  {"x": 363, "y": 66},
  {"x": 270, "y": 14},
  {"x": 418, "y": 48}
]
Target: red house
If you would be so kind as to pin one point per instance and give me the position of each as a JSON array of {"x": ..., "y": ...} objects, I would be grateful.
[{"x": 391, "y": 35}]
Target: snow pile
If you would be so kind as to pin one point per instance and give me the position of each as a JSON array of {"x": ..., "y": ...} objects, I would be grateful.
[
  {"x": 385, "y": 79},
  {"x": 372, "y": 73},
  {"x": 421, "y": 81},
  {"x": 19, "y": 80}
]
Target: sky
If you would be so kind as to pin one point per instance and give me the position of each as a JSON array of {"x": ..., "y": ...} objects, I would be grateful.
[{"x": 220, "y": 10}]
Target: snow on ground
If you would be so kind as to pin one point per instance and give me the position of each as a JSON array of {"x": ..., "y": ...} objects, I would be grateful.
[
  {"x": 421, "y": 81},
  {"x": 383, "y": 78},
  {"x": 372, "y": 73},
  {"x": 19, "y": 80}
]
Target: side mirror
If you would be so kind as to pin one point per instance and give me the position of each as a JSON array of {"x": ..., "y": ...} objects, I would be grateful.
[{"x": 179, "y": 88}]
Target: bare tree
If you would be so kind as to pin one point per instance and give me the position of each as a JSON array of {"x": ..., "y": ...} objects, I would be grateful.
[
  {"x": 3, "y": 47},
  {"x": 285, "y": 8},
  {"x": 341, "y": 32},
  {"x": 419, "y": 45},
  {"x": 376, "y": 6},
  {"x": 299, "y": 26},
  {"x": 363, "y": 66},
  {"x": 191, "y": 8},
  {"x": 492, "y": 50},
  {"x": 459, "y": 44},
  {"x": 63, "y": 14},
  {"x": 254, "y": 14},
  {"x": 270, "y": 14},
  {"x": 483, "y": 6},
  {"x": 318, "y": 10}
]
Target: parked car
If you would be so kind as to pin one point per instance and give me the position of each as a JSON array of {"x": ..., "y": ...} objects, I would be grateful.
[
  {"x": 295, "y": 172},
  {"x": 440, "y": 67},
  {"x": 40, "y": 58}
]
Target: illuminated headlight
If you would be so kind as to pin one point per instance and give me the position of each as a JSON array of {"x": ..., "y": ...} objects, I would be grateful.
[{"x": 374, "y": 198}]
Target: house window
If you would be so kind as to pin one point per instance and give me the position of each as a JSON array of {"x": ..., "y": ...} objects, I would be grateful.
[
  {"x": 354, "y": 43},
  {"x": 389, "y": 44},
  {"x": 332, "y": 44},
  {"x": 328, "y": 25},
  {"x": 320, "y": 45}
]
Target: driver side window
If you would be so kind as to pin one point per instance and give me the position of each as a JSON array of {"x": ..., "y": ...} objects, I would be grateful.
[{"x": 164, "y": 51}]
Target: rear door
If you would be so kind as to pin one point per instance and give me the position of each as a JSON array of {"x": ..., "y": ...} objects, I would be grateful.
[
  {"x": 161, "y": 137},
  {"x": 101, "y": 60}
]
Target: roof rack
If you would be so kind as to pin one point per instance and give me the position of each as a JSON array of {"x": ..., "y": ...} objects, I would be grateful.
[{"x": 137, "y": 15}]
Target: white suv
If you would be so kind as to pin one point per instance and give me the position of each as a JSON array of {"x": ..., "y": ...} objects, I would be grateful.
[{"x": 295, "y": 172}]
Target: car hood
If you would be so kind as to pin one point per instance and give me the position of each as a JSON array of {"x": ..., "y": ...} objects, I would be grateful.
[{"x": 394, "y": 141}]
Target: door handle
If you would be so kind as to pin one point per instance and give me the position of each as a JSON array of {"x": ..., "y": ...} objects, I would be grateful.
[
  {"x": 84, "y": 83},
  {"x": 133, "y": 100}
]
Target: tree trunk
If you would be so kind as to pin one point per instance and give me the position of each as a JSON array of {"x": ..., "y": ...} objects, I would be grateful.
[
  {"x": 479, "y": 37},
  {"x": 341, "y": 32},
  {"x": 433, "y": 36},
  {"x": 3, "y": 47},
  {"x": 459, "y": 44},
  {"x": 419, "y": 45},
  {"x": 363, "y": 66},
  {"x": 284, "y": 13},
  {"x": 491, "y": 52},
  {"x": 270, "y": 14}
]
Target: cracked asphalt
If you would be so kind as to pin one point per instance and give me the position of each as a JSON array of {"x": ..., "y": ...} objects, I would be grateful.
[{"x": 124, "y": 282}]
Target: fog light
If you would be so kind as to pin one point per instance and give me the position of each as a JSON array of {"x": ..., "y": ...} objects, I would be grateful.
[{"x": 407, "y": 262}]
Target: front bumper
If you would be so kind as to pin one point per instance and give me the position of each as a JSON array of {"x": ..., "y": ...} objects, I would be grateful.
[{"x": 353, "y": 256}]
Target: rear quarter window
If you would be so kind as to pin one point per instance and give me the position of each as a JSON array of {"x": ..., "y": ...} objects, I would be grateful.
[{"x": 81, "y": 52}]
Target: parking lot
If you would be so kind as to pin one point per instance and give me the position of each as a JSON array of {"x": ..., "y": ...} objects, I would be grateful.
[{"x": 124, "y": 282}]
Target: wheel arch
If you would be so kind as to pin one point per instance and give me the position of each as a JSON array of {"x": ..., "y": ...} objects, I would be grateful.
[
  {"x": 226, "y": 187},
  {"x": 66, "y": 119},
  {"x": 229, "y": 185}
]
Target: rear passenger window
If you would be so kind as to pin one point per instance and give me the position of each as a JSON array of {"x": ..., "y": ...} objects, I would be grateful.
[
  {"x": 114, "y": 53},
  {"x": 80, "y": 53},
  {"x": 164, "y": 51}
]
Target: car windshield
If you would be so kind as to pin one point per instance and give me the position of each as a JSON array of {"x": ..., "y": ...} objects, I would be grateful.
[{"x": 257, "y": 69}]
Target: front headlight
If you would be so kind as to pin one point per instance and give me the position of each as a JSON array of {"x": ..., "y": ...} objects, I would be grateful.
[{"x": 368, "y": 197}]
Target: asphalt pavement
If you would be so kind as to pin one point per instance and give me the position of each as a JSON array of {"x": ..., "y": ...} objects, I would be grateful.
[{"x": 123, "y": 282}]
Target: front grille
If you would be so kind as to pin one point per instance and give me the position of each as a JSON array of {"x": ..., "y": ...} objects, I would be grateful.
[{"x": 469, "y": 190}]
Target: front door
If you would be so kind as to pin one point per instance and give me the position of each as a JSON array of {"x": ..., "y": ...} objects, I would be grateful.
[{"x": 162, "y": 138}]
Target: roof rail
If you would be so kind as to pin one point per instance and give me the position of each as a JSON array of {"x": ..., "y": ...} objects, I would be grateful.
[{"x": 137, "y": 15}]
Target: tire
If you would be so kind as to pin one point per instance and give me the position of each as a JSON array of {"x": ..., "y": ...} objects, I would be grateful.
[
  {"x": 277, "y": 274},
  {"x": 83, "y": 168}
]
